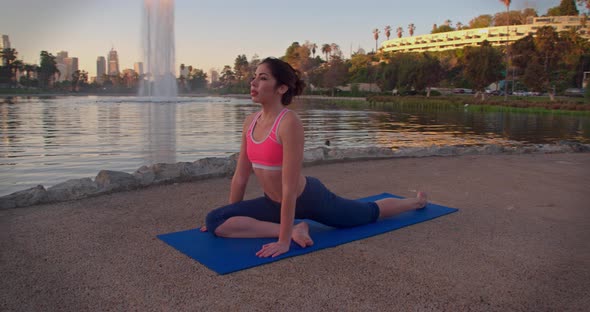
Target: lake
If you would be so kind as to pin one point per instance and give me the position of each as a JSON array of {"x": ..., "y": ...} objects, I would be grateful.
[{"x": 50, "y": 140}]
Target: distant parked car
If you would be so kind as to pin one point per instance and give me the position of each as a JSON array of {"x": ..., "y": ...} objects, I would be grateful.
[
  {"x": 462, "y": 91},
  {"x": 574, "y": 92}
]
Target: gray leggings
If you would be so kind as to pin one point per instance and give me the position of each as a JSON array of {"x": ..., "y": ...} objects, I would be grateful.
[{"x": 316, "y": 203}]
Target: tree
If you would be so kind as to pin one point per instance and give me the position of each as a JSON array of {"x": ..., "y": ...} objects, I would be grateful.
[
  {"x": 566, "y": 7},
  {"x": 242, "y": 69},
  {"x": 358, "y": 68},
  {"x": 11, "y": 65},
  {"x": 442, "y": 29},
  {"x": 546, "y": 47},
  {"x": 47, "y": 69},
  {"x": 428, "y": 74},
  {"x": 197, "y": 80},
  {"x": 507, "y": 4},
  {"x": 28, "y": 69},
  {"x": 326, "y": 49},
  {"x": 481, "y": 21},
  {"x": 482, "y": 66},
  {"x": 75, "y": 79},
  {"x": 411, "y": 29},
  {"x": 376, "y": 36},
  {"x": 459, "y": 25},
  {"x": 387, "y": 31},
  {"x": 399, "y": 31},
  {"x": 313, "y": 49},
  {"x": 335, "y": 75},
  {"x": 298, "y": 56},
  {"x": 227, "y": 78}
]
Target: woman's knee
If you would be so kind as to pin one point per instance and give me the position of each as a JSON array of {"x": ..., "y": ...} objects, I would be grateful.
[{"x": 214, "y": 219}]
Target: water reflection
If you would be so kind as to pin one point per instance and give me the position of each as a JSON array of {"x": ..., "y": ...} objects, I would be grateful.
[
  {"x": 49, "y": 140},
  {"x": 159, "y": 144}
]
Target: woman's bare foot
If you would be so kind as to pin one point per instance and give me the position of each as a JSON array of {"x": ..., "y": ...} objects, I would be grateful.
[
  {"x": 301, "y": 235},
  {"x": 422, "y": 199}
]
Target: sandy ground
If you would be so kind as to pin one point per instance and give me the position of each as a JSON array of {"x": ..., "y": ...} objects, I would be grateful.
[{"x": 520, "y": 242}]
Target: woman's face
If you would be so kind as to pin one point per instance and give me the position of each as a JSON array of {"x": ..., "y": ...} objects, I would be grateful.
[{"x": 263, "y": 87}]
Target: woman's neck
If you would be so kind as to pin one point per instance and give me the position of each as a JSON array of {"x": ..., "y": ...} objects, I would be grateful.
[{"x": 270, "y": 112}]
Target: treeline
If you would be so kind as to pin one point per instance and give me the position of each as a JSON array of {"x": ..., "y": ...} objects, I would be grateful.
[{"x": 548, "y": 62}]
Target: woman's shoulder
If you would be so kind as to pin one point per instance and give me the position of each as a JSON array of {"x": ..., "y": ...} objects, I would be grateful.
[
  {"x": 289, "y": 122},
  {"x": 291, "y": 116},
  {"x": 248, "y": 120}
]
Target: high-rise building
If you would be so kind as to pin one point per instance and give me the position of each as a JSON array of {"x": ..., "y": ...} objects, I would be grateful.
[
  {"x": 61, "y": 65},
  {"x": 138, "y": 67},
  {"x": 101, "y": 67},
  {"x": 66, "y": 65},
  {"x": 5, "y": 44},
  {"x": 71, "y": 65},
  {"x": 113, "y": 67}
]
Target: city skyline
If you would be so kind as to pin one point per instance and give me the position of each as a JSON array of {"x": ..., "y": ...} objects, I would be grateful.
[{"x": 212, "y": 34}]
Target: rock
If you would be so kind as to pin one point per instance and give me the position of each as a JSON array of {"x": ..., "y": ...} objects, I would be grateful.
[
  {"x": 575, "y": 146},
  {"x": 144, "y": 175},
  {"x": 108, "y": 181},
  {"x": 72, "y": 189},
  {"x": 24, "y": 198},
  {"x": 167, "y": 172},
  {"x": 212, "y": 167}
]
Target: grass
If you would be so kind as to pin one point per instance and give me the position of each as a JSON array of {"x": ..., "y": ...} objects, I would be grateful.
[{"x": 574, "y": 106}]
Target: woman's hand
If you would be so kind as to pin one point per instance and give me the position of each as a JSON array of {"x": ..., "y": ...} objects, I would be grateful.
[{"x": 273, "y": 249}]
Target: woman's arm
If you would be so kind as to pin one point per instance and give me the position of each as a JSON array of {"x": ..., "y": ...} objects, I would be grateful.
[
  {"x": 243, "y": 168},
  {"x": 291, "y": 135}
]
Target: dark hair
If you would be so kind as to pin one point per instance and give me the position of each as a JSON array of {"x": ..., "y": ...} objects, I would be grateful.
[{"x": 285, "y": 74}]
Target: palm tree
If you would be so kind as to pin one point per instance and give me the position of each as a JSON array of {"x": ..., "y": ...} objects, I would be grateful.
[
  {"x": 326, "y": 49},
  {"x": 387, "y": 31},
  {"x": 400, "y": 32},
  {"x": 411, "y": 29},
  {"x": 376, "y": 36},
  {"x": 507, "y": 4},
  {"x": 313, "y": 49}
]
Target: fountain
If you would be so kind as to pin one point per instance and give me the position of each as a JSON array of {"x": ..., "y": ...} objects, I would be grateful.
[{"x": 158, "y": 50}]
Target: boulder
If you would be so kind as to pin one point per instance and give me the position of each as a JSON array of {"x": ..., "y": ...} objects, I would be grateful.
[
  {"x": 72, "y": 189},
  {"x": 109, "y": 181},
  {"x": 24, "y": 198}
]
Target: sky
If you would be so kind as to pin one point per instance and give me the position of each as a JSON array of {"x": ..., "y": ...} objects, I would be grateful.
[{"x": 212, "y": 33}]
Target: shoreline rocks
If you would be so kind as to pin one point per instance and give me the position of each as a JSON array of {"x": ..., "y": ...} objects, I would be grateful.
[{"x": 108, "y": 181}]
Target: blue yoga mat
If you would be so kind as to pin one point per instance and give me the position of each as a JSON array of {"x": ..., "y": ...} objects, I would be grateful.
[{"x": 226, "y": 255}]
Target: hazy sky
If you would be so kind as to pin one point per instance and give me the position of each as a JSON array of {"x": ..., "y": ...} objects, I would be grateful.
[{"x": 211, "y": 33}]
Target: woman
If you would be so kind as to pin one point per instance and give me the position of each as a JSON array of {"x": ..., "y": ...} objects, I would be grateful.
[{"x": 272, "y": 147}]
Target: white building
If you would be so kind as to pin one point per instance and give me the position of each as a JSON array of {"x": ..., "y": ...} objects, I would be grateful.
[{"x": 496, "y": 36}]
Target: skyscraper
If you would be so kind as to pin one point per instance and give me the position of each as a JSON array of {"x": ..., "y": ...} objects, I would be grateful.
[
  {"x": 138, "y": 67},
  {"x": 101, "y": 67},
  {"x": 5, "y": 42},
  {"x": 113, "y": 63},
  {"x": 71, "y": 65},
  {"x": 61, "y": 65}
]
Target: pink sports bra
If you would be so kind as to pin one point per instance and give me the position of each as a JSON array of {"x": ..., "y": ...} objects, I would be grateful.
[{"x": 268, "y": 153}]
